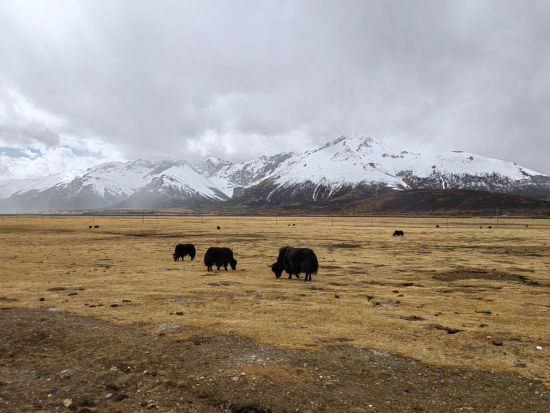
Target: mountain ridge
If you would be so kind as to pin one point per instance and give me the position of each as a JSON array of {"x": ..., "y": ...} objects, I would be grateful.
[{"x": 348, "y": 167}]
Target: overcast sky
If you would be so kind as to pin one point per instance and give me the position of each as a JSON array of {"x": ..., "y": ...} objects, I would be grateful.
[{"x": 83, "y": 82}]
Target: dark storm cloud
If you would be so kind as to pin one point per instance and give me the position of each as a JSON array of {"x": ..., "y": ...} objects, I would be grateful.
[{"x": 244, "y": 78}]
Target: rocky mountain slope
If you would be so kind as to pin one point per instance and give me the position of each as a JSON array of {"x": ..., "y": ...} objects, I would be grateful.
[{"x": 345, "y": 169}]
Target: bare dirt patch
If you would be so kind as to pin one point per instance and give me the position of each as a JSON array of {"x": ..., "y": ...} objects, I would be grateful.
[
  {"x": 481, "y": 274},
  {"x": 48, "y": 358},
  {"x": 345, "y": 245}
]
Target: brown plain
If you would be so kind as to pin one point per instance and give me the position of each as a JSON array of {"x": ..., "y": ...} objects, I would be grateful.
[{"x": 441, "y": 295}]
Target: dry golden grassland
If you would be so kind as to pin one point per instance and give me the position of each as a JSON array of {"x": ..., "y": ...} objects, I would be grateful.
[{"x": 373, "y": 290}]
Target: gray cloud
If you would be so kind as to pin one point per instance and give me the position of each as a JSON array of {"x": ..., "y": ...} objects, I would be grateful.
[{"x": 245, "y": 78}]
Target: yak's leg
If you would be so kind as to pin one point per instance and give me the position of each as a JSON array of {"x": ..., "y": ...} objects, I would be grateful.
[
  {"x": 218, "y": 267},
  {"x": 225, "y": 266}
]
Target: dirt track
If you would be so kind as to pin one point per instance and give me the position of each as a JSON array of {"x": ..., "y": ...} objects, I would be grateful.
[{"x": 49, "y": 356}]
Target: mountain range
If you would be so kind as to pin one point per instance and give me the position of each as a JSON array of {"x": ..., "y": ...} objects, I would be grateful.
[{"x": 345, "y": 169}]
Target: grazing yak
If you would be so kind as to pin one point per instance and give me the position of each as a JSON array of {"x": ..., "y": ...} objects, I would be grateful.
[
  {"x": 295, "y": 261},
  {"x": 220, "y": 257},
  {"x": 184, "y": 249},
  {"x": 398, "y": 233}
]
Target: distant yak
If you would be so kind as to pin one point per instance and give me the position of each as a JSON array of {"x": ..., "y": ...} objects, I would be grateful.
[
  {"x": 295, "y": 261},
  {"x": 184, "y": 249},
  {"x": 398, "y": 233},
  {"x": 219, "y": 257}
]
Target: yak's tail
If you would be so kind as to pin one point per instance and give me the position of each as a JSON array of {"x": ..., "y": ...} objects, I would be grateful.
[{"x": 314, "y": 264}]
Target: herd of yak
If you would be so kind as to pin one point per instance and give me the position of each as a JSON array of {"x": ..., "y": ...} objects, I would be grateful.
[{"x": 293, "y": 261}]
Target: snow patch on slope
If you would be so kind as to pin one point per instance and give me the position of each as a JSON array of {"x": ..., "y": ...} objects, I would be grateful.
[{"x": 184, "y": 178}]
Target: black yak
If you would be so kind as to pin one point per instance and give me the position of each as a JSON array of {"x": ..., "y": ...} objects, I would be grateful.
[
  {"x": 398, "y": 233},
  {"x": 295, "y": 261},
  {"x": 184, "y": 249},
  {"x": 220, "y": 257}
]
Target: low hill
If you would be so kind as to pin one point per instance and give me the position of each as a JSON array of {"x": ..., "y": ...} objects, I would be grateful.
[{"x": 449, "y": 202}]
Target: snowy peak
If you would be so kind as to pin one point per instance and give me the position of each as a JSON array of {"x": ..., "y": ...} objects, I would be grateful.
[
  {"x": 122, "y": 179},
  {"x": 182, "y": 178},
  {"x": 210, "y": 166},
  {"x": 249, "y": 173}
]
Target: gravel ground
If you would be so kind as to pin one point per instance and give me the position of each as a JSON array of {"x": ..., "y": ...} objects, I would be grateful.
[{"x": 54, "y": 361}]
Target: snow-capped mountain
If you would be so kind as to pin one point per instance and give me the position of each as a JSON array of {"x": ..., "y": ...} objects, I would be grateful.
[
  {"x": 357, "y": 166},
  {"x": 108, "y": 185},
  {"x": 349, "y": 167}
]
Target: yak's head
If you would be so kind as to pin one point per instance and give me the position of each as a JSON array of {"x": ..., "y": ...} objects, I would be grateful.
[
  {"x": 175, "y": 257},
  {"x": 233, "y": 263},
  {"x": 277, "y": 269}
]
